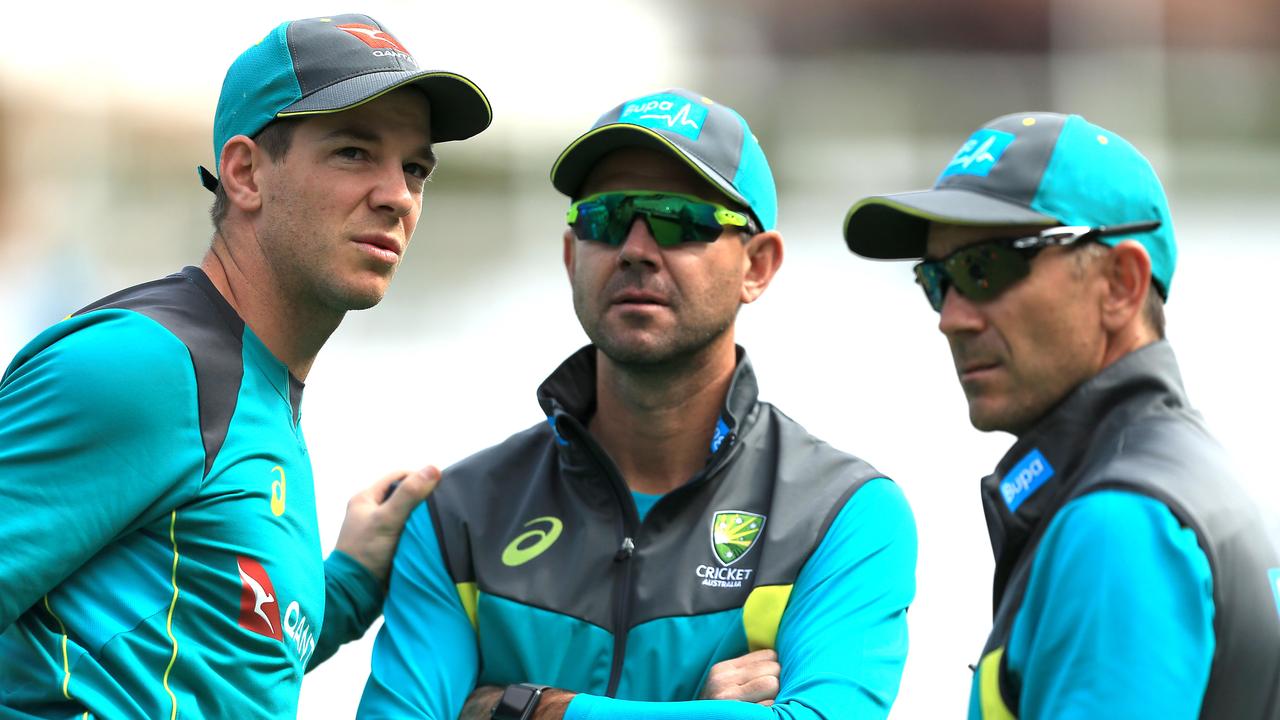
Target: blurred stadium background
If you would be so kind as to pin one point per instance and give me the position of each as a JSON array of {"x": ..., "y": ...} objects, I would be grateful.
[{"x": 105, "y": 111}]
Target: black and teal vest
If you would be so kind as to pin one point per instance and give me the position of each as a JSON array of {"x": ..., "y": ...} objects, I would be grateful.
[
  {"x": 1131, "y": 428},
  {"x": 566, "y": 586}
]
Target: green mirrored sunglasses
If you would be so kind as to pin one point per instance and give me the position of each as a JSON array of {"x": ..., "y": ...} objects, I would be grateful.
[
  {"x": 983, "y": 270},
  {"x": 672, "y": 218}
]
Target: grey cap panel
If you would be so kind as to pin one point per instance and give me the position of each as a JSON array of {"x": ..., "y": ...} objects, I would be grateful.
[
  {"x": 1016, "y": 176},
  {"x": 345, "y": 56},
  {"x": 576, "y": 164}
]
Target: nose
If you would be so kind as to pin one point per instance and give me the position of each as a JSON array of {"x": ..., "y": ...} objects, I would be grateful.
[
  {"x": 391, "y": 194},
  {"x": 639, "y": 247},
  {"x": 959, "y": 314}
]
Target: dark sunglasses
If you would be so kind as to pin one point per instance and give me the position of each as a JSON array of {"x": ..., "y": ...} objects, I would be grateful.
[
  {"x": 984, "y": 270},
  {"x": 672, "y": 219}
]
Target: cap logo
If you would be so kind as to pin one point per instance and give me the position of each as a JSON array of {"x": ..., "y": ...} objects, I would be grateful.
[
  {"x": 979, "y": 154},
  {"x": 373, "y": 37},
  {"x": 666, "y": 112}
]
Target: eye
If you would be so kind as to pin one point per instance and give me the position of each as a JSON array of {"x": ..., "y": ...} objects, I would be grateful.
[
  {"x": 419, "y": 171},
  {"x": 352, "y": 153}
]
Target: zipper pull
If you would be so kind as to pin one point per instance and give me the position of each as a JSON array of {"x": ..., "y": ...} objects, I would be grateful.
[{"x": 625, "y": 552}]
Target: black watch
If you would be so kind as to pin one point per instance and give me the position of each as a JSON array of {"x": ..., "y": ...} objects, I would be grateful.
[{"x": 518, "y": 701}]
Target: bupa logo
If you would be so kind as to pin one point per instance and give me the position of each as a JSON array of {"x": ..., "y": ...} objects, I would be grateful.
[
  {"x": 979, "y": 154},
  {"x": 373, "y": 37},
  {"x": 259, "y": 609},
  {"x": 1024, "y": 479},
  {"x": 666, "y": 112}
]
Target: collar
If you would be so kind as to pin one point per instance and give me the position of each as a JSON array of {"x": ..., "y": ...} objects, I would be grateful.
[
  {"x": 568, "y": 397},
  {"x": 1040, "y": 470}
]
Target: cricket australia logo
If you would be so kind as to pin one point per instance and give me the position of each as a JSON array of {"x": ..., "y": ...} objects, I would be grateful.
[{"x": 733, "y": 534}]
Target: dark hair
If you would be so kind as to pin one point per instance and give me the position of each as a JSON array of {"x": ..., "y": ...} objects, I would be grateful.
[
  {"x": 1153, "y": 311},
  {"x": 275, "y": 140}
]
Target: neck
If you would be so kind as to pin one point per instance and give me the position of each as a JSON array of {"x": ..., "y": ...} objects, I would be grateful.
[
  {"x": 292, "y": 329},
  {"x": 656, "y": 422}
]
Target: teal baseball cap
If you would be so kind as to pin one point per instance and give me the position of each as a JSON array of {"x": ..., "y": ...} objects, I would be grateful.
[
  {"x": 1031, "y": 168},
  {"x": 711, "y": 138},
  {"x": 330, "y": 64}
]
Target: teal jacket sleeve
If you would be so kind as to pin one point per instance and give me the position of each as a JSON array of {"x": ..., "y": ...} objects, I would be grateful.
[
  {"x": 99, "y": 433},
  {"x": 842, "y": 642},
  {"x": 352, "y": 601},
  {"x": 425, "y": 659},
  {"x": 1117, "y": 621}
]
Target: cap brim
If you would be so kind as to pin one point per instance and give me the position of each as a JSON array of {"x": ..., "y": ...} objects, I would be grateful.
[
  {"x": 574, "y": 164},
  {"x": 896, "y": 227},
  {"x": 459, "y": 109}
]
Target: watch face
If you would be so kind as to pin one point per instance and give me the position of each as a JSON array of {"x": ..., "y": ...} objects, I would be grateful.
[{"x": 514, "y": 701}]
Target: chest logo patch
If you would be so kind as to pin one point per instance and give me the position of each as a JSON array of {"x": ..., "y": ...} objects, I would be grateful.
[
  {"x": 734, "y": 533},
  {"x": 277, "y": 492},
  {"x": 532, "y": 543},
  {"x": 1025, "y": 479},
  {"x": 259, "y": 609}
]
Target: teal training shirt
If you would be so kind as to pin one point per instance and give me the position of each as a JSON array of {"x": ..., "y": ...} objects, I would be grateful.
[
  {"x": 161, "y": 557},
  {"x": 1117, "y": 620}
]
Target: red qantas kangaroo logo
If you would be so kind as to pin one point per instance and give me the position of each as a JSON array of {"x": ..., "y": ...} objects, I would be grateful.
[
  {"x": 259, "y": 611},
  {"x": 373, "y": 37}
]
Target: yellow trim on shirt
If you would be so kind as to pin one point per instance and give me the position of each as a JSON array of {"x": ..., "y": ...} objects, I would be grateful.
[
  {"x": 762, "y": 613},
  {"x": 469, "y": 594},
  {"x": 173, "y": 522},
  {"x": 66, "y": 665},
  {"x": 989, "y": 697}
]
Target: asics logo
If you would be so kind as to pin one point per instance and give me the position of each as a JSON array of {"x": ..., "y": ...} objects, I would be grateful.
[
  {"x": 278, "y": 492},
  {"x": 373, "y": 37},
  {"x": 259, "y": 611},
  {"x": 532, "y": 543}
]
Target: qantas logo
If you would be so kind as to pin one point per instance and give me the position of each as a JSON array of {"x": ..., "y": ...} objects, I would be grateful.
[
  {"x": 259, "y": 611},
  {"x": 373, "y": 37}
]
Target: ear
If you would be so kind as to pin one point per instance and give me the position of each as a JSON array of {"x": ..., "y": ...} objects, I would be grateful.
[
  {"x": 1127, "y": 274},
  {"x": 237, "y": 173},
  {"x": 569, "y": 246},
  {"x": 763, "y": 258}
]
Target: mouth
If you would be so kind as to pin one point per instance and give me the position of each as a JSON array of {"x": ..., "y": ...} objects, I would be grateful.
[
  {"x": 383, "y": 247},
  {"x": 638, "y": 299},
  {"x": 977, "y": 370}
]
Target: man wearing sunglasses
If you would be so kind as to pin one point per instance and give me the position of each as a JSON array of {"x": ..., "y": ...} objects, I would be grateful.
[
  {"x": 1133, "y": 577},
  {"x": 664, "y": 537}
]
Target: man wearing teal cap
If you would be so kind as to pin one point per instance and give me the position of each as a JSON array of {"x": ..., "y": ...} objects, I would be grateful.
[
  {"x": 161, "y": 556},
  {"x": 1134, "y": 578},
  {"x": 665, "y": 545}
]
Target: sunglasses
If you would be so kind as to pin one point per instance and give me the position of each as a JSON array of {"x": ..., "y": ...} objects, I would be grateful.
[
  {"x": 984, "y": 270},
  {"x": 672, "y": 219}
]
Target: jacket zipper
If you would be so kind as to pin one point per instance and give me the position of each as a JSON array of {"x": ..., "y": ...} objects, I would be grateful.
[{"x": 626, "y": 549}]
